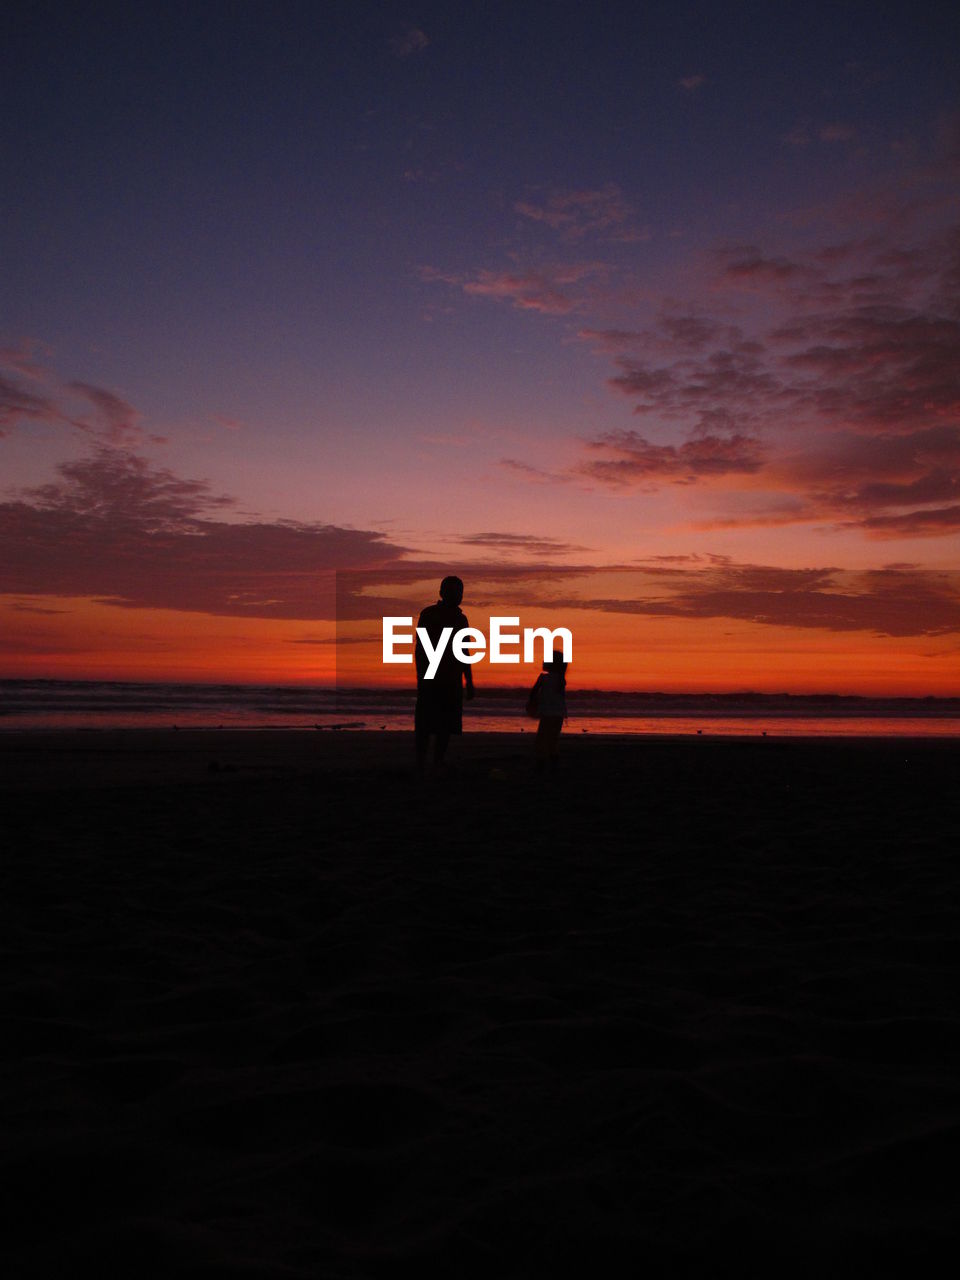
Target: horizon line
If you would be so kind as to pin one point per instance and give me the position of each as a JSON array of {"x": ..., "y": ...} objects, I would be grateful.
[{"x": 410, "y": 689}]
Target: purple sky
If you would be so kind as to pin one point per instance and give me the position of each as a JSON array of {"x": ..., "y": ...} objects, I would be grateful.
[{"x": 629, "y": 281}]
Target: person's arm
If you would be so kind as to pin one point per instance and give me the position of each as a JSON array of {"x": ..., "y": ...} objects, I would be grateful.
[
  {"x": 533, "y": 698},
  {"x": 420, "y": 655},
  {"x": 468, "y": 669}
]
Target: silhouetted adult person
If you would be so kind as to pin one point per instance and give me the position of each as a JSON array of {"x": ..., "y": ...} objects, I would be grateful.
[{"x": 440, "y": 700}]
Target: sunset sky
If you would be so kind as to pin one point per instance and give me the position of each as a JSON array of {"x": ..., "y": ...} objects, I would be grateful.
[{"x": 643, "y": 318}]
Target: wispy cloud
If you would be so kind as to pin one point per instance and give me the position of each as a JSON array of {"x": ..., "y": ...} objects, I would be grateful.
[
  {"x": 22, "y": 357},
  {"x": 602, "y": 211},
  {"x": 20, "y": 607},
  {"x": 933, "y": 523},
  {"x": 886, "y": 603},
  {"x": 114, "y": 419},
  {"x": 837, "y": 391},
  {"x": 528, "y": 290},
  {"x": 412, "y": 41},
  {"x": 520, "y": 544},
  {"x": 885, "y": 486},
  {"x": 747, "y": 265},
  {"x": 895, "y": 602},
  {"x": 535, "y": 475},
  {"x": 97, "y": 412},
  {"x": 804, "y": 133},
  {"x": 105, "y": 414},
  {"x": 117, "y": 529},
  {"x": 627, "y": 459},
  {"x": 551, "y": 289},
  {"x": 17, "y": 405}
]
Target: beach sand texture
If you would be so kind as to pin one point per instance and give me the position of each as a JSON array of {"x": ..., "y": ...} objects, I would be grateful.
[{"x": 273, "y": 1008}]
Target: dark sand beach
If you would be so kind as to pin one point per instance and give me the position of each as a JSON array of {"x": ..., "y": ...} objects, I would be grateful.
[{"x": 273, "y": 1009}]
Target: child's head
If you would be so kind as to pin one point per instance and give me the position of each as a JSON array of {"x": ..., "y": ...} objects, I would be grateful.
[{"x": 556, "y": 663}]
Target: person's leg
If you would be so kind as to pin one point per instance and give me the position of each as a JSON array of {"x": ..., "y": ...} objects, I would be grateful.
[
  {"x": 551, "y": 740},
  {"x": 542, "y": 746},
  {"x": 423, "y": 742},
  {"x": 440, "y": 747}
]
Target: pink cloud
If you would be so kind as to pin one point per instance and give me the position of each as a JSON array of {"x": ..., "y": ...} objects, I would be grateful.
[
  {"x": 112, "y": 419},
  {"x": 115, "y": 421},
  {"x": 628, "y": 459},
  {"x": 843, "y": 403},
  {"x": 18, "y": 405},
  {"x": 529, "y": 291},
  {"x": 882, "y": 486},
  {"x": 536, "y": 475},
  {"x": 889, "y": 603},
  {"x": 546, "y": 289},
  {"x": 899, "y": 601},
  {"x": 749, "y": 265},
  {"x": 520, "y": 544},
  {"x": 930, "y": 523},
  {"x": 21, "y": 357},
  {"x": 117, "y": 529},
  {"x": 820, "y": 383},
  {"x": 603, "y": 210}
]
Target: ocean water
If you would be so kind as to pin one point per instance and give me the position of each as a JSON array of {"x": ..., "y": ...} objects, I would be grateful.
[{"x": 67, "y": 704}]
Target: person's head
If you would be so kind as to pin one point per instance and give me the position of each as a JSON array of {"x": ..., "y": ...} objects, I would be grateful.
[
  {"x": 556, "y": 663},
  {"x": 451, "y": 590}
]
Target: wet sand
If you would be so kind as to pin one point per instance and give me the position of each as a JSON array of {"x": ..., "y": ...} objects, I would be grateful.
[{"x": 273, "y": 1008}]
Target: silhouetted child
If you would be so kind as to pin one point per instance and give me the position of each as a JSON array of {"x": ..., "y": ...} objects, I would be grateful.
[{"x": 551, "y": 702}]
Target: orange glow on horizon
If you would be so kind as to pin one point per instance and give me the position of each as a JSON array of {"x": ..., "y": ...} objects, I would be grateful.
[{"x": 57, "y": 638}]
